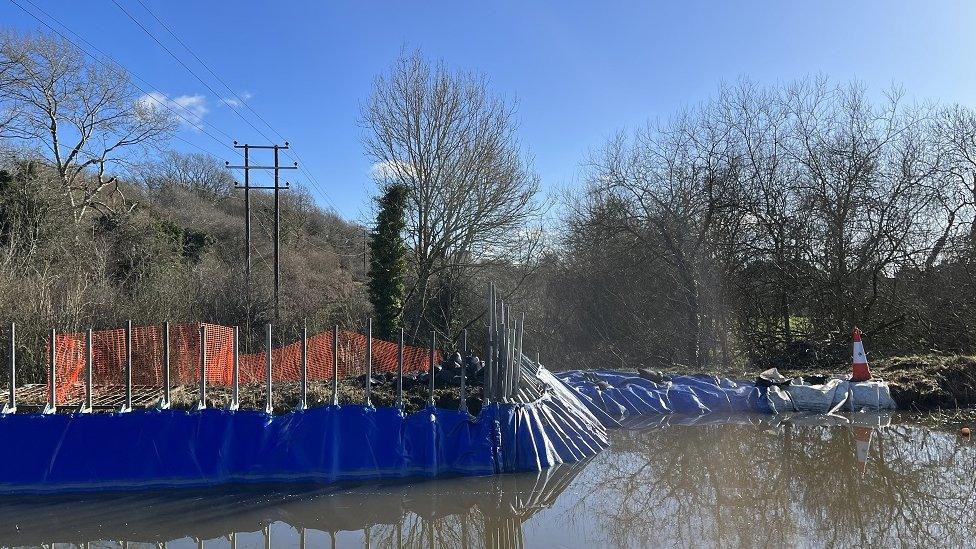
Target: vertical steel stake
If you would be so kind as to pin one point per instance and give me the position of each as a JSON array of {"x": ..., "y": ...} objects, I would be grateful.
[
  {"x": 464, "y": 372},
  {"x": 167, "y": 397},
  {"x": 369, "y": 359},
  {"x": 89, "y": 369},
  {"x": 486, "y": 371},
  {"x": 52, "y": 402},
  {"x": 399, "y": 385},
  {"x": 304, "y": 402},
  {"x": 128, "y": 367},
  {"x": 235, "y": 395},
  {"x": 202, "y": 405},
  {"x": 11, "y": 405},
  {"x": 518, "y": 358},
  {"x": 335, "y": 365},
  {"x": 433, "y": 367},
  {"x": 504, "y": 324},
  {"x": 267, "y": 353},
  {"x": 490, "y": 344}
]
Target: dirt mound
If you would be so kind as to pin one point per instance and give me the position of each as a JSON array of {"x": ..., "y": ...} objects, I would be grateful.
[{"x": 925, "y": 382}]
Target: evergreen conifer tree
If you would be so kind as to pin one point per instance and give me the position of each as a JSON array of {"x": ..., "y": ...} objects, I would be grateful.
[{"x": 388, "y": 263}]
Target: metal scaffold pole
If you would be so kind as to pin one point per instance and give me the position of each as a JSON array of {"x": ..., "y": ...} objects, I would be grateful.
[
  {"x": 235, "y": 397},
  {"x": 89, "y": 367},
  {"x": 202, "y": 404},
  {"x": 52, "y": 402},
  {"x": 167, "y": 382},
  {"x": 303, "y": 404},
  {"x": 433, "y": 367},
  {"x": 465, "y": 360},
  {"x": 267, "y": 354},
  {"x": 399, "y": 383},
  {"x": 11, "y": 405},
  {"x": 335, "y": 366},
  {"x": 369, "y": 360},
  {"x": 127, "y": 407}
]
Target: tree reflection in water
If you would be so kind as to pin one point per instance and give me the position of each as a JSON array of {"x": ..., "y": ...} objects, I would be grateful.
[
  {"x": 787, "y": 485},
  {"x": 734, "y": 482}
]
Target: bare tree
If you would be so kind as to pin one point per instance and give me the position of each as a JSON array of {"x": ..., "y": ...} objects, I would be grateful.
[
  {"x": 8, "y": 110},
  {"x": 775, "y": 224},
  {"x": 955, "y": 131},
  {"x": 678, "y": 182},
  {"x": 452, "y": 143},
  {"x": 84, "y": 116},
  {"x": 866, "y": 175},
  {"x": 198, "y": 173}
]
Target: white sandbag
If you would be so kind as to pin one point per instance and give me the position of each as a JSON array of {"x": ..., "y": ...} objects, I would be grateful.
[
  {"x": 872, "y": 395},
  {"x": 819, "y": 399}
]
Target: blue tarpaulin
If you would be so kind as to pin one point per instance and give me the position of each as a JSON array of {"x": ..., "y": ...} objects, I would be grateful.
[
  {"x": 172, "y": 448},
  {"x": 612, "y": 396}
]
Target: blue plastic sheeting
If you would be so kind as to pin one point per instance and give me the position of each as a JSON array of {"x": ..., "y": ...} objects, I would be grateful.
[
  {"x": 558, "y": 428},
  {"x": 613, "y": 396},
  {"x": 173, "y": 448}
]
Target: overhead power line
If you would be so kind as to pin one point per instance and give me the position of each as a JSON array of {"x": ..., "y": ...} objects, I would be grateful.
[
  {"x": 242, "y": 101},
  {"x": 187, "y": 67},
  {"x": 150, "y": 94}
]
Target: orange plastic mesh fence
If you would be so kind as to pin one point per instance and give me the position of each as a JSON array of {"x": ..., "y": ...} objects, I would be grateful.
[{"x": 109, "y": 358}]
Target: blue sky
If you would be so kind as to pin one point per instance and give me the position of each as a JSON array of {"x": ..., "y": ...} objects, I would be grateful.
[{"x": 579, "y": 70}]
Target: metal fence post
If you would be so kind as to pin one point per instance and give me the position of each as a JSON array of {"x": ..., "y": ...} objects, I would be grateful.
[
  {"x": 489, "y": 345},
  {"x": 464, "y": 372},
  {"x": 399, "y": 385},
  {"x": 235, "y": 394},
  {"x": 128, "y": 367},
  {"x": 518, "y": 359},
  {"x": 486, "y": 369},
  {"x": 89, "y": 369},
  {"x": 502, "y": 365},
  {"x": 267, "y": 346},
  {"x": 11, "y": 404},
  {"x": 433, "y": 346},
  {"x": 52, "y": 402},
  {"x": 369, "y": 360},
  {"x": 335, "y": 365},
  {"x": 166, "y": 371},
  {"x": 304, "y": 402},
  {"x": 203, "y": 368}
]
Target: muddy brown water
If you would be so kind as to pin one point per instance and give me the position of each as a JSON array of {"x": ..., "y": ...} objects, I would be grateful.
[{"x": 741, "y": 481}]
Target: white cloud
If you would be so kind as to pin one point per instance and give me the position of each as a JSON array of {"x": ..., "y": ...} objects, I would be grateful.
[
  {"x": 387, "y": 170},
  {"x": 237, "y": 100},
  {"x": 189, "y": 110}
]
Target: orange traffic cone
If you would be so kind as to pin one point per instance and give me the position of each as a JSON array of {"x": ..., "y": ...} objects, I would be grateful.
[
  {"x": 862, "y": 445},
  {"x": 861, "y": 371}
]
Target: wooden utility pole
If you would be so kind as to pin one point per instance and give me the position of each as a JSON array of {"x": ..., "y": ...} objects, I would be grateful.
[{"x": 277, "y": 187}]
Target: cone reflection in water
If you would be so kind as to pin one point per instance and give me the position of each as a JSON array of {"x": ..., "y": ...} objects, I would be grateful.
[{"x": 862, "y": 444}]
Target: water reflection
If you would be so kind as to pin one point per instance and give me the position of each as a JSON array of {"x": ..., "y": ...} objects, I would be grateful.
[
  {"x": 749, "y": 484},
  {"x": 750, "y": 481},
  {"x": 456, "y": 512}
]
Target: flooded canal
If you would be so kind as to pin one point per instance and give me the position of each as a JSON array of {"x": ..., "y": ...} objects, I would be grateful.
[{"x": 738, "y": 482}]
